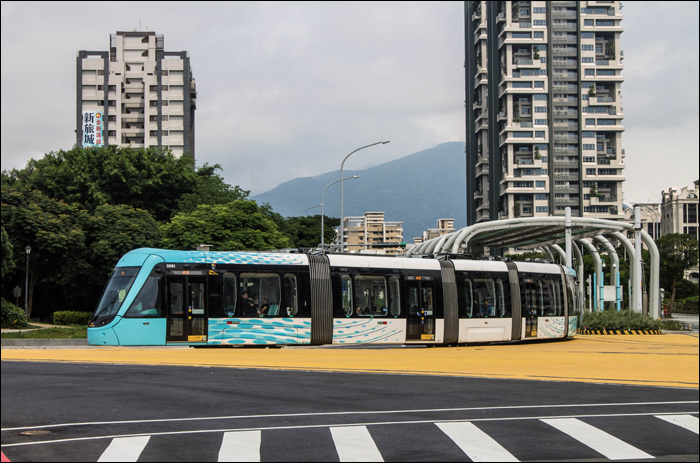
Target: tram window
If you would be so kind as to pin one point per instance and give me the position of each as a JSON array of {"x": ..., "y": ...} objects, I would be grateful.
[
  {"x": 291, "y": 297},
  {"x": 370, "y": 296},
  {"x": 230, "y": 294},
  {"x": 346, "y": 283},
  {"x": 177, "y": 298},
  {"x": 466, "y": 298},
  {"x": 394, "y": 297},
  {"x": 115, "y": 292},
  {"x": 147, "y": 303},
  {"x": 503, "y": 302},
  {"x": 197, "y": 293},
  {"x": 259, "y": 294},
  {"x": 485, "y": 297}
]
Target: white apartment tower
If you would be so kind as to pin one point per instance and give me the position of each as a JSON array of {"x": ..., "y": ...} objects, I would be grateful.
[
  {"x": 543, "y": 109},
  {"x": 137, "y": 95}
]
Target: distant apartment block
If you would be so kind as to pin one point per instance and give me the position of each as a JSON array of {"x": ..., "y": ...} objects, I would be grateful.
[
  {"x": 543, "y": 109},
  {"x": 371, "y": 229},
  {"x": 679, "y": 210},
  {"x": 444, "y": 226},
  {"x": 136, "y": 95}
]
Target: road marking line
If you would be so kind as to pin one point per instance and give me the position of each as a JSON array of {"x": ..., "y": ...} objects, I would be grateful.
[
  {"x": 600, "y": 441},
  {"x": 688, "y": 422},
  {"x": 369, "y": 412},
  {"x": 354, "y": 443},
  {"x": 311, "y": 426},
  {"x": 124, "y": 449},
  {"x": 240, "y": 446},
  {"x": 478, "y": 445}
]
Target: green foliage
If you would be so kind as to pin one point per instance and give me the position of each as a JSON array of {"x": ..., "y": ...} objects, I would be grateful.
[
  {"x": 210, "y": 188},
  {"x": 6, "y": 247},
  {"x": 71, "y": 317},
  {"x": 145, "y": 179},
  {"x": 614, "y": 320},
  {"x": 684, "y": 289},
  {"x": 678, "y": 252},
  {"x": 13, "y": 316},
  {"x": 112, "y": 231},
  {"x": 305, "y": 232},
  {"x": 53, "y": 230},
  {"x": 239, "y": 225}
]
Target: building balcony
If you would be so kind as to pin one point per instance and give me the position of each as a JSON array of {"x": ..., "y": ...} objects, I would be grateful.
[
  {"x": 133, "y": 117},
  {"x": 482, "y": 169},
  {"x": 603, "y": 199},
  {"x": 484, "y": 207},
  {"x": 564, "y": 164},
  {"x": 600, "y": 100}
]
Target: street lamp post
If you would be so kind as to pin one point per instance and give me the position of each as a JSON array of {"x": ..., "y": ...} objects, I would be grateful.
[
  {"x": 323, "y": 243},
  {"x": 28, "y": 249},
  {"x": 310, "y": 207},
  {"x": 342, "y": 217}
]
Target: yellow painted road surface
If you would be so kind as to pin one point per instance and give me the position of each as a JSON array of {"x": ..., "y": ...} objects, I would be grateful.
[{"x": 661, "y": 360}]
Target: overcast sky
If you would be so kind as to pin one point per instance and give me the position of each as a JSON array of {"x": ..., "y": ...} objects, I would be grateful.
[{"x": 286, "y": 90}]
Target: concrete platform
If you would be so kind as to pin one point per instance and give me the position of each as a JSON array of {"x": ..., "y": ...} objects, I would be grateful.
[{"x": 663, "y": 360}]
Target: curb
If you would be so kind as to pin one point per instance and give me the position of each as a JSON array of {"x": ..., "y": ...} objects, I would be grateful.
[
  {"x": 43, "y": 342},
  {"x": 620, "y": 332}
]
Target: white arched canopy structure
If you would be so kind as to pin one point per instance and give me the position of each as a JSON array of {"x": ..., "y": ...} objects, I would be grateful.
[{"x": 537, "y": 232}]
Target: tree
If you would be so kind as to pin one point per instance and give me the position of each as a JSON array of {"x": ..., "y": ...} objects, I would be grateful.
[
  {"x": 52, "y": 229},
  {"x": 7, "y": 263},
  {"x": 148, "y": 179},
  {"x": 305, "y": 232},
  {"x": 210, "y": 188},
  {"x": 236, "y": 226},
  {"x": 678, "y": 252}
]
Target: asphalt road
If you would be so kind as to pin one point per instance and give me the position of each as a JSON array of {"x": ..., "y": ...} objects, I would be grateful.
[{"x": 178, "y": 413}]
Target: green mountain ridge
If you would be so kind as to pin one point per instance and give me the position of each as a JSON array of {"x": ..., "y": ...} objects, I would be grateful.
[{"x": 417, "y": 190}]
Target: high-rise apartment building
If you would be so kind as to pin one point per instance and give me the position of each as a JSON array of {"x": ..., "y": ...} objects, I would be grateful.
[
  {"x": 364, "y": 234},
  {"x": 543, "y": 109},
  {"x": 137, "y": 95}
]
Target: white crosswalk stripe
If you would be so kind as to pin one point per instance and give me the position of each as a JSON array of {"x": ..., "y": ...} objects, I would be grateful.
[
  {"x": 688, "y": 422},
  {"x": 478, "y": 445},
  {"x": 354, "y": 443},
  {"x": 600, "y": 441},
  {"x": 125, "y": 449},
  {"x": 240, "y": 446}
]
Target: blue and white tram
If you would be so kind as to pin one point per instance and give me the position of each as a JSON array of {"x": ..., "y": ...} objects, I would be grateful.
[{"x": 163, "y": 297}]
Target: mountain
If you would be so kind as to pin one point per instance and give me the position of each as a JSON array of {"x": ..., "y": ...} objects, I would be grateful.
[{"x": 417, "y": 190}]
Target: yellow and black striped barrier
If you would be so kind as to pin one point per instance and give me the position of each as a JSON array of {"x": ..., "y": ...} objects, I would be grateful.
[{"x": 584, "y": 331}]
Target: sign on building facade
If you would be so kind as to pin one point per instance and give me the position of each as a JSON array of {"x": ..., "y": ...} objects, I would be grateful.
[{"x": 92, "y": 129}]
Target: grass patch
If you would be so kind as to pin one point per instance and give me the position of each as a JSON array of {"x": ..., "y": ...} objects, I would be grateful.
[{"x": 71, "y": 332}]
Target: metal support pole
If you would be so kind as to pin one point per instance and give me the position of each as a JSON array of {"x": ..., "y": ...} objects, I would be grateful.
[
  {"x": 637, "y": 288},
  {"x": 567, "y": 225},
  {"x": 598, "y": 270}
]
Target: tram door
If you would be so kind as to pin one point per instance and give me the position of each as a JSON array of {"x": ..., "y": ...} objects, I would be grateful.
[
  {"x": 187, "y": 314},
  {"x": 531, "y": 298},
  {"x": 421, "y": 314}
]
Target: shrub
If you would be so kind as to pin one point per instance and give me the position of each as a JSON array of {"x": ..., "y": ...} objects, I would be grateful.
[
  {"x": 614, "y": 320},
  {"x": 71, "y": 317},
  {"x": 13, "y": 316}
]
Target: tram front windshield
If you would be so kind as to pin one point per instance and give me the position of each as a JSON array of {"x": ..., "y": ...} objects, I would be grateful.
[{"x": 114, "y": 293}]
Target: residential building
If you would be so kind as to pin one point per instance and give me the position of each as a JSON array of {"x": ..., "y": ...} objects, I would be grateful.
[
  {"x": 361, "y": 233},
  {"x": 444, "y": 226},
  {"x": 543, "y": 109},
  {"x": 679, "y": 210},
  {"x": 136, "y": 94}
]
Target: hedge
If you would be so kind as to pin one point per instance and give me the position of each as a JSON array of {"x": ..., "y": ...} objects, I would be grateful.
[
  {"x": 13, "y": 316},
  {"x": 71, "y": 317},
  {"x": 614, "y": 320}
]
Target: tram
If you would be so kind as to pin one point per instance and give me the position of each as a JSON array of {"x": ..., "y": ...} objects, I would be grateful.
[{"x": 204, "y": 298}]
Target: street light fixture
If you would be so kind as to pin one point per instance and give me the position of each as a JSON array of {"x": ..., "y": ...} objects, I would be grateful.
[
  {"x": 655, "y": 215},
  {"x": 323, "y": 243},
  {"x": 311, "y": 207},
  {"x": 28, "y": 249},
  {"x": 342, "y": 216}
]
